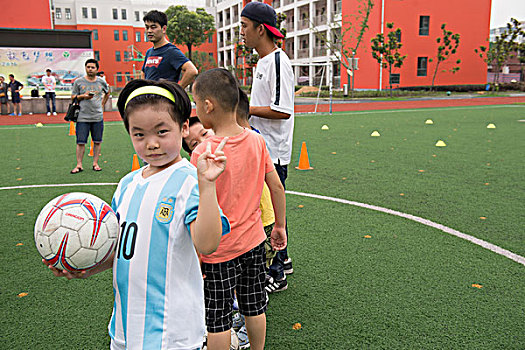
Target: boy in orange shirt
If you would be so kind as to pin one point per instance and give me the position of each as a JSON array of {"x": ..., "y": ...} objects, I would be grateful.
[{"x": 239, "y": 262}]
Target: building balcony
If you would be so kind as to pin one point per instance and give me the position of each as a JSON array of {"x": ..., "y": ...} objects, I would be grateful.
[
  {"x": 303, "y": 24},
  {"x": 320, "y": 20},
  {"x": 338, "y": 7},
  {"x": 288, "y": 26},
  {"x": 319, "y": 51},
  {"x": 303, "y": 53}
]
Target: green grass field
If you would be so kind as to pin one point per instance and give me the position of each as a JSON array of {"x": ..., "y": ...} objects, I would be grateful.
[{"x": 407, "y": 286}]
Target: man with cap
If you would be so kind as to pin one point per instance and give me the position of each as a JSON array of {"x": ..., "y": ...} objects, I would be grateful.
[{"x": 271, "y": 106}]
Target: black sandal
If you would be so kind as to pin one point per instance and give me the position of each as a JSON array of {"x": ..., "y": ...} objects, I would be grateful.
[{"x": 76, "y": 170}]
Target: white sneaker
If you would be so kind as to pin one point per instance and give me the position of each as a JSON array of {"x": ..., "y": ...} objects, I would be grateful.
[
  {"x": 48, "y": 114},
  {"x": 54, "y": 113}
]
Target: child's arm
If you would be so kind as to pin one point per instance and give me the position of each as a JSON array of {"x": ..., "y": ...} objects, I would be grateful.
[
  {"x": 278, "y": 235},
  {"x": 206, "y": 230},
  {"x": 82, "y": 274}
]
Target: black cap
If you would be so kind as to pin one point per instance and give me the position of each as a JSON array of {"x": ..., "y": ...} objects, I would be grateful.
[{"x": 262, "y": 13}]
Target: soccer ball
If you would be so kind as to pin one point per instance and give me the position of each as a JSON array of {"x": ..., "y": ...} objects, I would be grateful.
[{"x": 76, "y": 231}]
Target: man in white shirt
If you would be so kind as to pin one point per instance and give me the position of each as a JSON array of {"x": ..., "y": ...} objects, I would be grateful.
[
  {"x": 271, "y": 106},
  {"x": 49, "y": 83}
]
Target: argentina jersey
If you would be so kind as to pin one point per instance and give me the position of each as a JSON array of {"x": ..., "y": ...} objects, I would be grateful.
[{"x": 157, "y": 281}]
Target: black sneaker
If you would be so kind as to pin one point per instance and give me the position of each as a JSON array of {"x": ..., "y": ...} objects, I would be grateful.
[
  {"x": 273, "y": 285},
  {"x": 287, "y": 266}
]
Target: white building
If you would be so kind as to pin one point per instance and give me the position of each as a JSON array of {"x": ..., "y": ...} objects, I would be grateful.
[{"x": 304, "y": 18}]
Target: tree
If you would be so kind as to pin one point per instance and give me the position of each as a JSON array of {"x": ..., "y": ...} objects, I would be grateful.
[
  {"x": 386, "y": 51},
  {"x": 447, "y": 46},
  {"x": 189, "y": 28},
  {"x": 203, "y": 61},
  {"x": 503, "y": 47},
  {"x": 355, "y": 26}
]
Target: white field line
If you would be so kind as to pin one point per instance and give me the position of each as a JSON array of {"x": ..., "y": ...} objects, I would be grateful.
[
  {"x": 494, "y": 248},
  {"x": 49, "y": 126},
  {"x": 421, "y": 110}
]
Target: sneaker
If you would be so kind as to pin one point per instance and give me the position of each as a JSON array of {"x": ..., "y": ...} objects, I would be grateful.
[
  {"x": 48, "y": 114},
  {"x": 287, "y": 266},
  {"x": 12, "y": 114},
  {"x": 54, "y": 113},
  {"x": 273, "y": 285},
  {"x": 238, "y": 321},
  {"x": 19, "y": 114},
  {"x": 244, "y": 342}
]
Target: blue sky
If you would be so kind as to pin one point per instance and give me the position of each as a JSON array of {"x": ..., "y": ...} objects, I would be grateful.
[{"x": 503, "y": 10}]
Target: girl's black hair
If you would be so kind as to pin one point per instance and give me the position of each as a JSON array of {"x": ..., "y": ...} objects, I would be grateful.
[{"x": 179, "y": 110}]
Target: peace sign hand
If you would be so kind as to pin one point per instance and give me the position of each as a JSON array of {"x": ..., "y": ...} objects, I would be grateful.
[{"x": 211, "y": 165}]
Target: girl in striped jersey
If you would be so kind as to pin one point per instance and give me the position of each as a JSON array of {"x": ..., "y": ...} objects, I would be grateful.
[{"x": 166, "y": 209}]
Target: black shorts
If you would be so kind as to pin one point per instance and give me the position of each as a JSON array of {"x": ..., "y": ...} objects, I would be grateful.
[
  {"x": 244, "y": 274},
  {"x": 15, "y": 97}
]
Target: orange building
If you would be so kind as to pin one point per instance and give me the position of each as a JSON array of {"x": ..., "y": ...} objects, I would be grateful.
[{"x": 420, "y": 22}]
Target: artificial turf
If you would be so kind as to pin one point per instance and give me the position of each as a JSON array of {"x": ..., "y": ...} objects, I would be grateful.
[{"x": 363, "y": 279}]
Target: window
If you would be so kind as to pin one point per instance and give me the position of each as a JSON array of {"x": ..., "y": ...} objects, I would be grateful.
[
  {"x": 117, "y": 56},
  {"x": 395, "y": 78},
  {"x": 68, "y": 13},
  {"x": 398, "y": 36},
  {"x": 124, "y": 14},
  {"x": 137, "y": 16},
  {"x": 128, "y": 76},
  {"x": 93, "y": 12},
  {"x": 125, "y": 35},
  {"x": 126, "y": 56},
  {"x": 210, "y": 54},
  {"x": 119, "y": 77},
  {"x": 84, "y": 12},
  {"x": 115, "y": 14},
  {"x": 210, "y": 38},
  {"x": 145, "y": 36},
  {"x": 97, "y": 55},
  {"x": 116, "y": 35},
  {"x": 58, "y": 13},
  {"x": 422, "y": 66},
  {"x": 95, "y": 34},
  {"x": 137, "y": 37},
  {"x": 424, "y": 25}
]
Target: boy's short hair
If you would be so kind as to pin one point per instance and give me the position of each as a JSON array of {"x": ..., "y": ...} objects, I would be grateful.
[
  {"x": 48, "y": 70},
  {"x": 193, "y": 121},
  {"x": 155, "y": 16},
  {"x": 12, "y": 75},
  {"x": 91, "y": 60},
  {"x": 219, "y": 84},
  {"x": 243, "y": 108},
  {"x": 179, "y": 110}
]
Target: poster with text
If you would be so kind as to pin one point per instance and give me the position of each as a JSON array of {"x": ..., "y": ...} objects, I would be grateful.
[{"x": 29, "y": 65}]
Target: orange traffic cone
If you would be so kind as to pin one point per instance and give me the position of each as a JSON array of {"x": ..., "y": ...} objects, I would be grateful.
[
  {"x": 91, "y": 149},
  {"x": 135, "y": 165},
  {"x": 304, "y": 163},
  {"x": 72, "y": 131}
]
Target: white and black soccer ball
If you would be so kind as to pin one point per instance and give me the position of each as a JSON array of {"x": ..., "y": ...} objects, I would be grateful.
[{"x": 76, "y": 231}]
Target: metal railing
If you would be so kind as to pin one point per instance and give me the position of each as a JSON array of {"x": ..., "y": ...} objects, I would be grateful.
[
  {"x": 304, "y": 24},
  {"x": 303, "y": 53},
  {"x": 319, "y": 20},
  {"x": 319, "y": 51}
]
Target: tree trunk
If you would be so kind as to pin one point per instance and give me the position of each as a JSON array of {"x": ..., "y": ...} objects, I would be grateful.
[
  {"x": 434, "y": 77},
  {"x": 189, "y": 51}
]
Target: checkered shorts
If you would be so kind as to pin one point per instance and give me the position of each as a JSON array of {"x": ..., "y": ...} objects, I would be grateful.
[{"x": 244, "y": 274}]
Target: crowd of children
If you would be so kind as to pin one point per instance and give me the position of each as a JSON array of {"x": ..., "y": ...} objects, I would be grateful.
[{"x": 197, "y": 238}]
